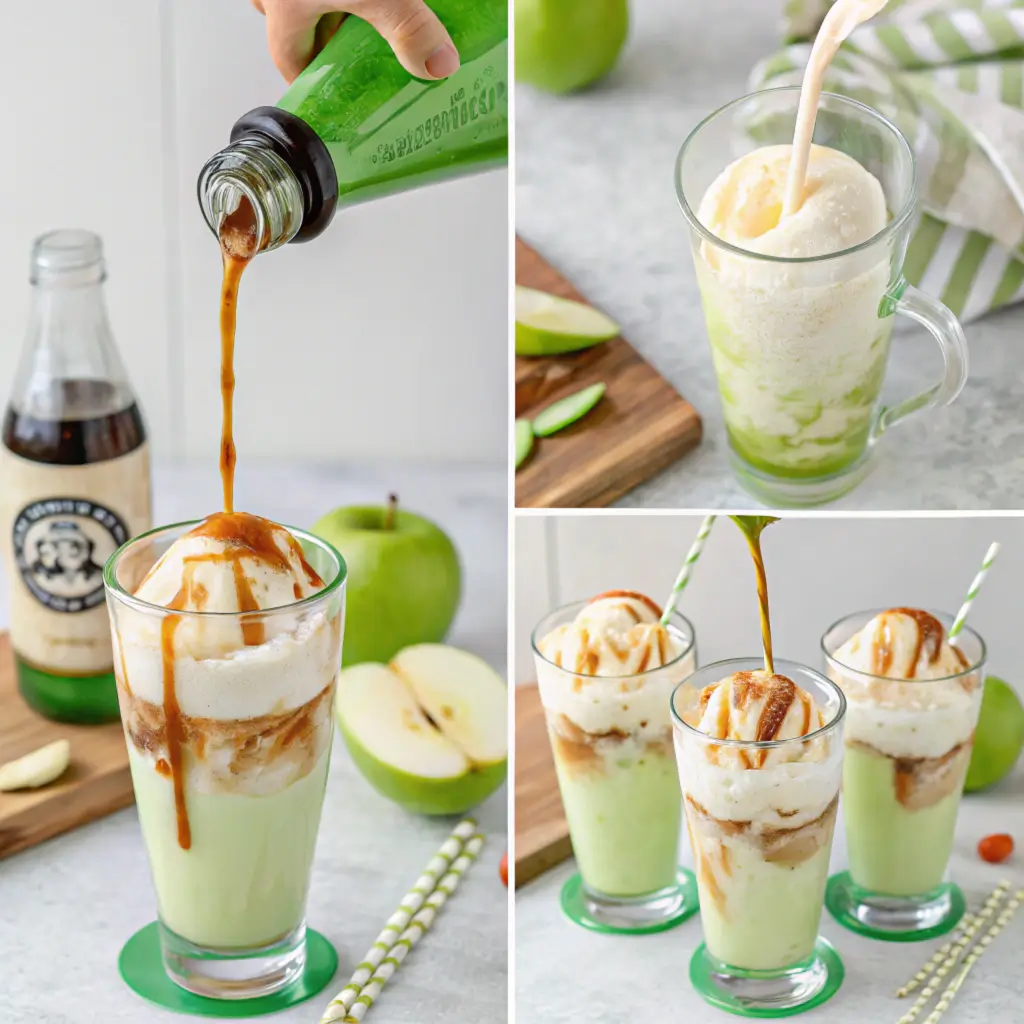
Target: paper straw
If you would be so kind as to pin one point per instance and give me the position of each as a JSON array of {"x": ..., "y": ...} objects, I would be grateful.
[
  {"x": 965, "y": 608},
  {"x": 949, "y": 952},
  {"x": 407, "y": 924},
  {"x": 684, "y": 573},
  {"x": 976, "y": 953}
]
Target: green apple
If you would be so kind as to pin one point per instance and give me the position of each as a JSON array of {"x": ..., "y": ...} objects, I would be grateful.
[
  {"x": 548, "y": 325},
  {"x": 403, "y": 581},
  {"x": 999, "y": 736},
  {"x": 430, "y": 730},
  {"x": 562, "y": 45}
]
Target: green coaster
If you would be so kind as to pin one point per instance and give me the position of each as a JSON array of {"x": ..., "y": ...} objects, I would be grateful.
[
  {"x": 142, "y": 967},
  {"x": 842, "y": 899},
  {"x": 783, "y": 989},
  {"x": 662, "y": 911}
]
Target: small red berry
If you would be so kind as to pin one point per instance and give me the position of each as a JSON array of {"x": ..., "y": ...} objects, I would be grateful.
[
  {"x": 503, "y": 869},
  {"x": 995, "y": 848}
]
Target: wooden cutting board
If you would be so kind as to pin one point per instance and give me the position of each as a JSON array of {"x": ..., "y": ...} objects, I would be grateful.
[
  {"x": 641, "y": 426},
  {"x": 96, "y": 783},
  {"x": 542, "y": 836}
]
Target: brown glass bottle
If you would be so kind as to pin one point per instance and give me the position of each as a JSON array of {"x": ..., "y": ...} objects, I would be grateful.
[{"x": 74, "y": 484}]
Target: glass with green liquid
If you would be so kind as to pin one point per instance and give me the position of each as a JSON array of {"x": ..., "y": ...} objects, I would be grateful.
[{"x": 355, "y": 125}]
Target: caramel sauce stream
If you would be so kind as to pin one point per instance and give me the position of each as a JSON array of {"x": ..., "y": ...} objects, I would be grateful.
[
  {"x": 238, "y": 245},
  {"x": 762, "y": 601},
  {"x": 241, "y": 533}
]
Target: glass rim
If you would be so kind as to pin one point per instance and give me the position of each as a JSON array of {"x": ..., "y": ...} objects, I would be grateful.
[
  {"x": 691, "y": 641},
  {"x": 677, "y": 719},
  {"x": 871, "y": 613},
  {"x": 890, "y": 229},
  {"x": 114, "y": 587}
]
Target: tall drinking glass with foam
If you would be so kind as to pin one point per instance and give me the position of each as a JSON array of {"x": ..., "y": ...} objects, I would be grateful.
[
  {"x": 605, "y": 669},
  {"x": 227, "y": 646}
]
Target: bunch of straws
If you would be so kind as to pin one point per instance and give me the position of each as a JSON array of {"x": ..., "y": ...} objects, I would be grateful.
[
  {"x": 407, "y": 925},
  {"x": 965, "y": 943}
]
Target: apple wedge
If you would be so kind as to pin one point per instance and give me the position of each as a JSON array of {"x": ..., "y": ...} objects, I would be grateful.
[
  {"x": 428, "y": 731},
  {"x": 548, "y": 325}
]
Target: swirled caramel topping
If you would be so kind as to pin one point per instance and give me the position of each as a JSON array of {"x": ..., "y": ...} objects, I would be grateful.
[
  {"x": 617, "y": 633},
  {"x": 903, "y": 643},
  {"x": 755, "y": 707}
]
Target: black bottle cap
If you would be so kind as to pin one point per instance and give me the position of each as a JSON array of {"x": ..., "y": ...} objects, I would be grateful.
[{"x": 294, "y": 141}]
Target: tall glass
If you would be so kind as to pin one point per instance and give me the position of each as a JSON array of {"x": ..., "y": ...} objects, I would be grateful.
[
  {"x": 908, "y": 745},
  {"x": 800, "y": 345},
  {"x": 761, "y": 817},
  {"x": 228, "y": 746},
  {"x": 611, "y": 737}
]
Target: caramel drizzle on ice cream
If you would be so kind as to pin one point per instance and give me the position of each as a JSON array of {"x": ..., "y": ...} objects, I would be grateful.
[
  {"x": 245, "y": 538},
  {"x": 776, "y": 693},
  {"x": 930, "y": 636},
  {"x": 654, "y": 637}
]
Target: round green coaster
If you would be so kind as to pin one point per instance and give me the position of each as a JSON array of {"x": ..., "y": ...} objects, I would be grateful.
[
  {"x": 666, "y": 910},
  {"x": 703, "y": 978},
  {"x": 841, "y": 899},
  {"x": 142, "y": 967}
]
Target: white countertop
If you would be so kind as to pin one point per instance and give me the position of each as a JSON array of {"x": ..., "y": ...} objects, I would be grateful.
[
  {"x": 68, "y": 905},
  {"x": 566, "y": 974},
  {"x": 594, "y": 194}
]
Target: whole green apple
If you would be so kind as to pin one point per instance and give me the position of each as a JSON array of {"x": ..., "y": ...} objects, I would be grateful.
[
  {"x": 562, "y": 45},
  {"x": 403, "y": 581},
  {"x": 999, "y": 735}
]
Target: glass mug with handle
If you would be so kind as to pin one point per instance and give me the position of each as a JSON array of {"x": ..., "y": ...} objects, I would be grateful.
[{"x": 800, "y": 344}]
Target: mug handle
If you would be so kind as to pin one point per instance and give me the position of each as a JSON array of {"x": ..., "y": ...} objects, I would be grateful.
[{"x": 945, "y": 328}]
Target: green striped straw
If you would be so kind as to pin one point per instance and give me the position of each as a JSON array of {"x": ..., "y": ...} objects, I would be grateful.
[
  {"x": 965, "y": 608},
  {"x": 407, "y": 924},
  {"x": 684, "y": 574}
]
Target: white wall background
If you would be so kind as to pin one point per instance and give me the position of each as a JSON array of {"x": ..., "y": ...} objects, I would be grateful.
[
  {"x": 385, "y": 337},
  {"x": 818, "y": 570}
]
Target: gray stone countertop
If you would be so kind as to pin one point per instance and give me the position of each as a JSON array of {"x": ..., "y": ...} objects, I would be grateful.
[
  {"x": 594, "y": 194},
  {"x": 565, "y": 974},
  {"x": 68, "y": 905}
]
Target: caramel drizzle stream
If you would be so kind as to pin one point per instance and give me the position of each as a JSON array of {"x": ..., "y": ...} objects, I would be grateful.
[
  {"x": 754, "y": 544},
  {"x": 238, "y": 245},
  {"x": 172, "y": 714}
]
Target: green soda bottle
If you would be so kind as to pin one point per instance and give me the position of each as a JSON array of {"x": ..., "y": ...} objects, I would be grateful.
[{"x": 355, "y": 125}]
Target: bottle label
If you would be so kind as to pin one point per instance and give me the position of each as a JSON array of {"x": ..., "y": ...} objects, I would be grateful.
[{"x": 60, "y": 525}]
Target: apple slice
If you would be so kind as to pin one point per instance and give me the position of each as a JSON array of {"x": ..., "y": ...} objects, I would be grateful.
[
  {"x": 567, "y": 411},
  {"x": 462, "y": 694},
  {"x": 547, "y": 325},
  {"x": 524, "y": 441},
  {"x": 382, "y": 711},
  {"x": 429, "y": 730}
]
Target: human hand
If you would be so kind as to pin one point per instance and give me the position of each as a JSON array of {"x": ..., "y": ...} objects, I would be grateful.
[{"x": 297, "y": 30}]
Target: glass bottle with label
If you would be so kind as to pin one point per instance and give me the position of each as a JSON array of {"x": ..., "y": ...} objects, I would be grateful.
[
  {"x": 74, "y": 483},
  {"x": 355, "y": 125}
]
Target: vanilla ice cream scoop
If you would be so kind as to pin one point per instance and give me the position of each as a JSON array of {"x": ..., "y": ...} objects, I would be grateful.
[
  {"x": 230, "y": 562},
  {"x": 756, "y": 707},
  {"x": 843, "y": 204},
  {"x": 902, "y": 643},
  {"x": 614, "y": 634}
]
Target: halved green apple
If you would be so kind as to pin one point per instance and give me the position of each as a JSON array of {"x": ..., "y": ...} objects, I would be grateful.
[
  {"x": 548, "y": 325},
  {"x": 429, "y": 730}
]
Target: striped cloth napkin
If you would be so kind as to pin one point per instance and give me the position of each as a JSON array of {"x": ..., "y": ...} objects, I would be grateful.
[{"x": 950, "y": 75}]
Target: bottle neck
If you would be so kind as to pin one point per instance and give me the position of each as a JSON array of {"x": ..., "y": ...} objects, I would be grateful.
[
  {"x": 279, "y": 163},
  {"x": 68, "y": 339}
]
